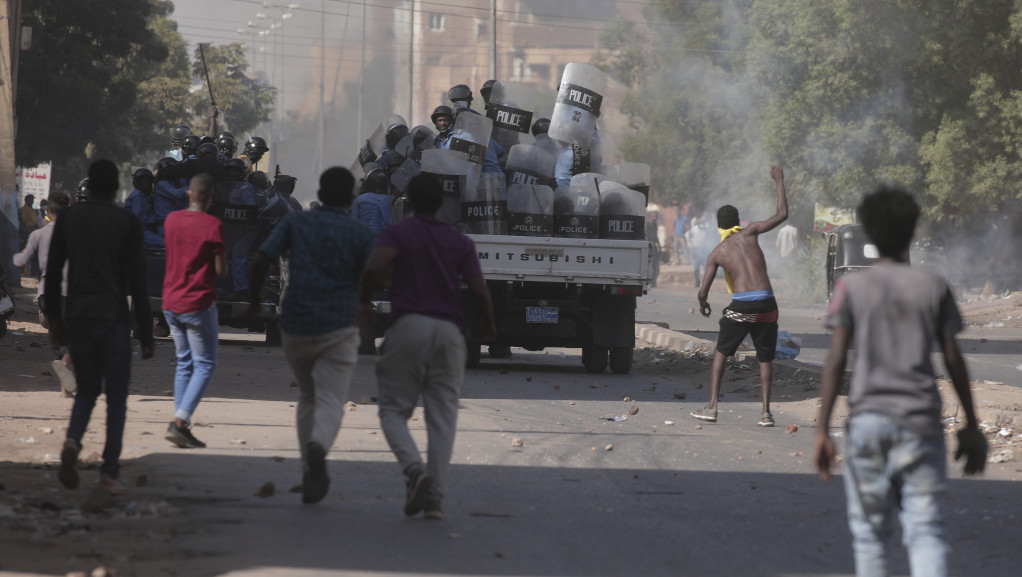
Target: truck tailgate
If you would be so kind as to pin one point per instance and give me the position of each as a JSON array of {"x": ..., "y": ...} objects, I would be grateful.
[{"x": 554, "y": 259}]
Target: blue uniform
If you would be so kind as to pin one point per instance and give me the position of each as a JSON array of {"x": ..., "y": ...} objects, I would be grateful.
[
  {"x": 373, "y": 210},
  {"x": 152, "y": 226}
]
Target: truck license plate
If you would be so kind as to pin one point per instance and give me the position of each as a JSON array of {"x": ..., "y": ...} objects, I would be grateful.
[{"x": 546, "y": 315}]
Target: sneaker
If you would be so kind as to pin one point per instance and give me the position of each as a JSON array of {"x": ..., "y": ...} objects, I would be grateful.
[
  {"x": 705, "y": 414},
  {"x": 316, "y": 483},
  {"x": 419, "y": 484},
  {"x": 434, "y": 510},
  {"x": 182, "y": 437},
  {"x": 68, "y": 473},
  {"x": 767, "y": 420},
  {"x": 68, "y": 385},
  {"x": 111, "y": 485}
]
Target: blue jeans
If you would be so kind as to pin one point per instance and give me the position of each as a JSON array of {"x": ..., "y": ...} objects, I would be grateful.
[
  {"x": 887, "y": 468},
  {"x": 195, "y": 338},
  {"x": 101, "y": 354}
]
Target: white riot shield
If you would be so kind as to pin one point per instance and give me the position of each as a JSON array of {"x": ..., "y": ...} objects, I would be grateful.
[
  {"x": 622, "y": 212},
  {"x": 578, "y": 104},
  {"x": 634, "y": 175},
  {"x": 483, "y": 211},
  {"x": 511, "y": 109},
  {"x": 577, "y": 212},
  {"x": 587, "y": 179},
  {"x": 403, "y": 174},
  {"x": 530, "y": 210},
  {"x": 373, "y": 147},
  {"x": 395, "y": 120},
  {"x": 471, "y": 135},
  {"x": 527, "y": 164},
  {"x": 456, "y": 175}
]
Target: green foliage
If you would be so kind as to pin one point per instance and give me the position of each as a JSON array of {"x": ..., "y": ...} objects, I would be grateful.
[
  {"x": 109, "y": 78},
  {"x": 843, "y": 94}
]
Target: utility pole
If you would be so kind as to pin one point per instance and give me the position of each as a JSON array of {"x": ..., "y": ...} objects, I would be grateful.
[
  {"x": 322, "y": 80},
  {"x": 361, "y": 78},
  {"x": 493, "y": 39},
  {"x": 411, "y": 60}
]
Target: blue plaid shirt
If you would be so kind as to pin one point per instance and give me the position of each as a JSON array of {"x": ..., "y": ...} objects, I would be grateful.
[{"x": 329, "y": 251}]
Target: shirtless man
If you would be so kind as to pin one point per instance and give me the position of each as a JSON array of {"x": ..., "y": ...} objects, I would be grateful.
[{"x": 753, "y": 309}]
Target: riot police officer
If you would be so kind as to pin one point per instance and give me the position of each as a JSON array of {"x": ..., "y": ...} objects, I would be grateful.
[
  {"x": 443, "y": 120},
  {"x": 255, "y": 148}
]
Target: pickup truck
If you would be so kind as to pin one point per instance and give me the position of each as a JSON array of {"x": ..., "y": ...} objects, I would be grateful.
[{"x": 563, "y": 292}]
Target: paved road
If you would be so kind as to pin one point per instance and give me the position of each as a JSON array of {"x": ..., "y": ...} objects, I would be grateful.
[
  {"x": 992, "y": 353},
  {"x": 582, "y": 496}
]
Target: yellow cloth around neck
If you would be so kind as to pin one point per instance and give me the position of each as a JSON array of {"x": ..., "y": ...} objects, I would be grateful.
[{"x": 726, "y": 233}]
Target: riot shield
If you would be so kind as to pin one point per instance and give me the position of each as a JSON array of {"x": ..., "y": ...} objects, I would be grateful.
[
  {"x": 587, "y": 179},
  {"x": 510, "y": 108},
  {"x": 403, "y": 174},
  {"x": 471, "y": 135},
  {"x": 577, "y": 212},
  {"x": 483, "y": 211},
  {"x": 622, "y": 212},
  {"x": 234, "y": 203},
  {"x": 578, "y": 104},
  {"x": 373, "y": 147},
  {"x": 528, "y": 164},
  {"x": 634, "y": 175},
  {"x": 456, "y": 175},
  {"x": 530, "y": 210}
]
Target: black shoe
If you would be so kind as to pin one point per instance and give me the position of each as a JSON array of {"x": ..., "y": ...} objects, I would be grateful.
[
  {"x": 434, "y": 510},
  {"x": 182, "y": 437},
  {"x": 68, "y": 474},
  {"x": 419, "y": 484},
  {"x": 316, "y": 482}
]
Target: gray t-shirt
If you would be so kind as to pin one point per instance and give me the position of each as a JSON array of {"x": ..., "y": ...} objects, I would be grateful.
[{"x": 896, "y": 313}]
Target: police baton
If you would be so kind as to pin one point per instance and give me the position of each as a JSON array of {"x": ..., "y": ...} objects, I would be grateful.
[{"x": 202, "y": 54}]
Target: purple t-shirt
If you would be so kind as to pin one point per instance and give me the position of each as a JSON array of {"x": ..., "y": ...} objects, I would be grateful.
[{"x": 432, "y": 259}]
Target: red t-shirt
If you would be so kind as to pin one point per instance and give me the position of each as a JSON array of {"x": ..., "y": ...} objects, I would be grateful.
[{"x": 192, "y": 238}]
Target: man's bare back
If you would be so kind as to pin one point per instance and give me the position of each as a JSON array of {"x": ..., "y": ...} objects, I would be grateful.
[{"x": 740, "y": 255}]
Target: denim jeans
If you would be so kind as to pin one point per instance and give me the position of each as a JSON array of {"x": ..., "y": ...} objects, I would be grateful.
[
  {"x": 195, "y": 338},
  {"x": 890, "y": 469},
  {"x": 101, "y": 353}
]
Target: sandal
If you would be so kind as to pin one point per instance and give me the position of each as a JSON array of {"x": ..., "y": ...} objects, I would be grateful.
[
  {"x": 705, "y": 414},
  {"x": 767, "y": 420}
]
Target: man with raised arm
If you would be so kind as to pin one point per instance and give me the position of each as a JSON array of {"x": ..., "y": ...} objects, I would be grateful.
[{"x": 753, "y": 310}]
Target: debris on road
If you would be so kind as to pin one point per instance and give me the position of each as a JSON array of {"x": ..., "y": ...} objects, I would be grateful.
[
  {"x": 609, "y": 448},
  {"x": 615, "y": 418},
  {"x": 267, "y": 490},
  {"x": 634, "y": 410},
  {"x": 680, "y": 395},
  {"x": 668, "y": 423},
  {"x": 238, "y": 442},
  {"x": 517, "y": 442},
  {"x": 1002, "y": 456},
  {"x": 792, "y": 429},
  {"x": 351, "y": 406}
]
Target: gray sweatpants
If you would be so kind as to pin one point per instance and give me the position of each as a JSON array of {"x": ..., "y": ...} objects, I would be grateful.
[
  {"x": 422, "y": 356},
  {"x": 323, "y": 365}
]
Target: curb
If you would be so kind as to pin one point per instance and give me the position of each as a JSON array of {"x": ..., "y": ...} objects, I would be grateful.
[{"x": 656, "y": 335}]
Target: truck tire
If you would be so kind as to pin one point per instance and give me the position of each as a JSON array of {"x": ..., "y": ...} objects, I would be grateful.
[
  {"x": 621, "y": 360},
  {"x": 594, "y": 358},
  {"x": 272, "y": 334},
  {"x": 473, "y": 354}
]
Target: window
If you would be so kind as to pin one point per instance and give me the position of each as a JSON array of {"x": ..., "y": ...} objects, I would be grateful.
[
  {"x": 436, "y": 22},
  {"x": 480, "y": 29}
]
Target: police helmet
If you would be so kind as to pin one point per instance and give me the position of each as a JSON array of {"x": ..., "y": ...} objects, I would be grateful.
[
  {"x": 177, "y": 133},
  {"x": 395, "y": 134},
  {"x": 82, "y": 192},
  {"x": 227, "y": 145},
  {"x": 190, "y": 145},
  {"x": 259, "y": 179},
  {"x": 255, "y": 148},
  {"x": 224, "y": 133},
  {"x": 142, "y": 178},
  {"x": 441, "y": 111},
  {"x": 541, "y": 126},
  {"x": 284, "y": 183},
  {"x": 208, "y": 148},
  {"x": 236, "y": 169},
  {"x": 486, "y": 89},
  {"x": 165, "y": 162},
  {"x": 459, "y": 92},
  {"x": 206, "y": 139},
  {"x": 376, "y": 181},
  {"x": 372, "y": 167}
]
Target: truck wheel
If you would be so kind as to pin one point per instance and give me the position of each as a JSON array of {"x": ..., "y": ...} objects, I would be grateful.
[
  {"x": 367, "y": 346},
  {"x": 272, "y": 334},
  {"x": 621, "y": 360},
  {"x": 594, "y": 358},
  {"x": 472, "y": 358}
]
